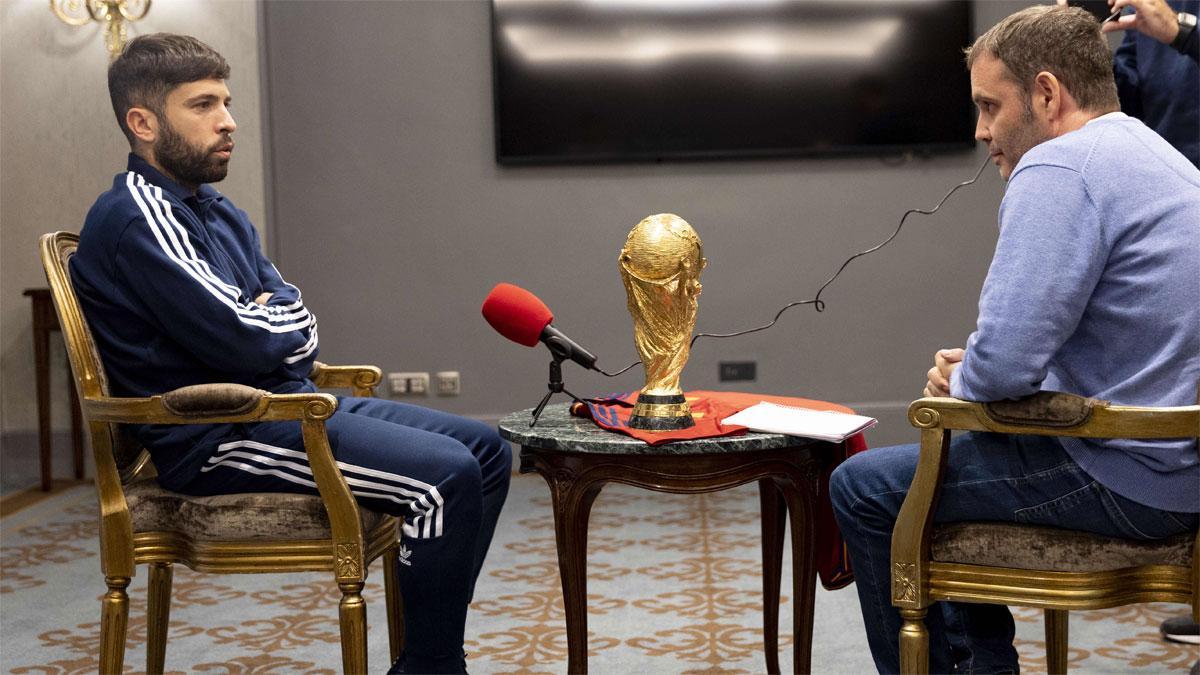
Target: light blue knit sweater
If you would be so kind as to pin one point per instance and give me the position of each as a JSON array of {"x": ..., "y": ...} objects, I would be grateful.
[{"x": 1095, "y": 290}]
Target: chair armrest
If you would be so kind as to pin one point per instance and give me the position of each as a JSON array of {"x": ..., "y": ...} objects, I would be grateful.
[
  {"x": 1056, "y": 414},
  {"x": 233, "y": 403},
  {"x": 1044, "y": 409},
  {"x": 362, "y": 380},
  {"x": 210, "y": 404},
  {"x": 206, "y": 400}
]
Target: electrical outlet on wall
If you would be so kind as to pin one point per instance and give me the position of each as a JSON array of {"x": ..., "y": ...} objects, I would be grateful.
[
  {"x": 732, "y": 371},
  {"x": 418, "y": 384},
  {"x": 447, "y": 383},
  {"x": 408, "y": 384}
]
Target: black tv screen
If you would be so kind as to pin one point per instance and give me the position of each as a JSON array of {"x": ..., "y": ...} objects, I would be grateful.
[{"x": 597, "y": 80}]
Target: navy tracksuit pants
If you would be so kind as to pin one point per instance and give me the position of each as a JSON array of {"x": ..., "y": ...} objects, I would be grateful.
[{"x": 446, "y": 475}]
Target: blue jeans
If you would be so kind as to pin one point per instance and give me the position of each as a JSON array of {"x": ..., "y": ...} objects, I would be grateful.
[{"x": 989, "y": 477}]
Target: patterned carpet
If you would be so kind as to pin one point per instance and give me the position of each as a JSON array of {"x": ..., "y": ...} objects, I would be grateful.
[{"x": 673, "y": 588}]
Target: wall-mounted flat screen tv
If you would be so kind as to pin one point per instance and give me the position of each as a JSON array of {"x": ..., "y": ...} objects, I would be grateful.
[{"x": 616, "y": 80}]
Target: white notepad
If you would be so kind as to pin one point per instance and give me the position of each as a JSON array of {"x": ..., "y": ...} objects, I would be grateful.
[{"x": 825, "y": 425}]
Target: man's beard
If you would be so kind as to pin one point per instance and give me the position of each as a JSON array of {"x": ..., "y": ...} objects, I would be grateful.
[
  {"x": 1025, "y": 137},
  {"x": 186, "y": 163}
]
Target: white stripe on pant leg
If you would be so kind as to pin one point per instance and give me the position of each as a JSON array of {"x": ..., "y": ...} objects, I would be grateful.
[
  {"x": 367, "y": 494},
  {"x": 306, "y": 470},
  {"x": 291, "y": 477},
  {"x": 416, "y": 503},
  {"x": 365, "y": 471},
  {"x": 277, "y": 466},
  {"x": 433, "y": 526},
  {"x": 427, "y": 517}
]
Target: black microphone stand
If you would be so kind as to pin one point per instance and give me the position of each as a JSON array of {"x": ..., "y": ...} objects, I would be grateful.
[{"x": 555, "y": 385}]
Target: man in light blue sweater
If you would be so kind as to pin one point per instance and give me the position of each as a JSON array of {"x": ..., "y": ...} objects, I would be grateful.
[{"x": 1094, "y": 289}]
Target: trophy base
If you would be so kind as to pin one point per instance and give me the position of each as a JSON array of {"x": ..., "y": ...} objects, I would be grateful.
[{"x": 654, "y": 412}]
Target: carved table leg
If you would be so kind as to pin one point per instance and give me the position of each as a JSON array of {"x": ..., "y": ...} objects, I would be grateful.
[
  {"x": 802, "y": 509},
  {"x": 772, "y": 509},
  {"x": 572, "y": 505}
]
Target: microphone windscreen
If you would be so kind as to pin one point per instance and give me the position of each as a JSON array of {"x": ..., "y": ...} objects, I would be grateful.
[{"x": 516, "y": 314}]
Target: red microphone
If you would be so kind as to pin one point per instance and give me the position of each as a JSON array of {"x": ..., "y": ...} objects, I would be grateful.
[
  {"x": 523, "y": 318},
  {"x": 516, "y": 314}
]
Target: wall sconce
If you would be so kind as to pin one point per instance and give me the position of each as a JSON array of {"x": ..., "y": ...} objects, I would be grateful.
[{"x": 114, "y": 13}]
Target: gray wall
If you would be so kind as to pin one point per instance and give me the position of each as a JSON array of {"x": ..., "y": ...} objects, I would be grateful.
[
  {"x": 392, "y": 216},
  {"x": 60, "y": 147}
]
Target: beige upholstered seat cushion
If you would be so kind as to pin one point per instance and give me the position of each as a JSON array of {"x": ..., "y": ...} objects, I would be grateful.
[
  {"x": 259, "y": 515},
  {"x": 1048, "y": 548}
]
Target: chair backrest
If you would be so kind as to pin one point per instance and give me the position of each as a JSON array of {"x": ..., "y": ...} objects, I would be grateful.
[{"x": 90, "y": 379}]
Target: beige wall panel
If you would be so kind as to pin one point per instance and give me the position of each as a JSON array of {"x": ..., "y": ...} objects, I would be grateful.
[{"x": 60, "y": 147}]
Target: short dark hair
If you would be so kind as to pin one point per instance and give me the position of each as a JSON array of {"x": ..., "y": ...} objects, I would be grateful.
[
  {"x": 152, "y": 65},
  {"x": 1065, "y": 41}
]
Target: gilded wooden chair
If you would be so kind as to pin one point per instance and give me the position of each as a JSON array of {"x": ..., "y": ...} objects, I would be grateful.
[
  {"x": 1000, "y": 563},
  {"x": 141, "y": 523}
]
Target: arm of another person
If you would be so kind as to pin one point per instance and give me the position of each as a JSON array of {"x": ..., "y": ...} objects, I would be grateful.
[
  {"x": 1125, "y": 70},
  {"x": 1049, "y": 258},
  {"x": 1155, "y": 19}
]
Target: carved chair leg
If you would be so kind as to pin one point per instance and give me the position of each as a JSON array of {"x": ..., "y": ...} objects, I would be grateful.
[
  {"x": 914, "y": 642},
  {"x": 1196, "y": 579},
  {"x": 1056, "y": 641},
  {"x": 395, "y": 602},
  {"x": 114, "y": 618},
  {"x": 158, "y": 616},
  {"x": 352, "y": 615}
]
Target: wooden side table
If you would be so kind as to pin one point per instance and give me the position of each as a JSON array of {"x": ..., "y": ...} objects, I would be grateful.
[
  {"x": 44, "y": 321},
  {"x": 577, "y": 458}
]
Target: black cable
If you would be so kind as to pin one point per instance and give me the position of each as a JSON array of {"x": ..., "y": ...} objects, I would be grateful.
[
  {"x": 817, "y": 303},
  {"x": 619, "y": 371}
]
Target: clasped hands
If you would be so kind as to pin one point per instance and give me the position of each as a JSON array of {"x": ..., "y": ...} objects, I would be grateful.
[{"x": 945, "y": 362}]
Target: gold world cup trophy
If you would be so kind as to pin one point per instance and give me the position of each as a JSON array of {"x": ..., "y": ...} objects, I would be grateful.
[{"x": 660, "y": 267}]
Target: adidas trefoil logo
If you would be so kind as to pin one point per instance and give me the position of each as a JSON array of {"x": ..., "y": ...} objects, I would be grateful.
[{"x": 405, "y": 554}]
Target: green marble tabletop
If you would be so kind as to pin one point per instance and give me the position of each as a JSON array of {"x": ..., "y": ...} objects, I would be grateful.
[{"x": 557, "y": 429}]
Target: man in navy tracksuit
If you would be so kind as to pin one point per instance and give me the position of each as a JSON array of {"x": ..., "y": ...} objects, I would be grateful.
[{"x": 177, "y": 292}]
